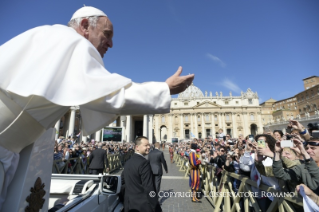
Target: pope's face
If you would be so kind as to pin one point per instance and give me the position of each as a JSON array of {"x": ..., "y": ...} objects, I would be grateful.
[{"x": 101, "y": 36}]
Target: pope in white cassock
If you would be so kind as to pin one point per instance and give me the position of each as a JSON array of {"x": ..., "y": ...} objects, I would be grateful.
[{"x": 45, "y": 70}]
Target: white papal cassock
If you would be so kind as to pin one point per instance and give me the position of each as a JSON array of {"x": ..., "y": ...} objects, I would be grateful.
[{"x": 46, "y": 70}]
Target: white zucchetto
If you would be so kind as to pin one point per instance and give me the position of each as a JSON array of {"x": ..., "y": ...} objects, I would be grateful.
[{"x": 87, "y": 11}]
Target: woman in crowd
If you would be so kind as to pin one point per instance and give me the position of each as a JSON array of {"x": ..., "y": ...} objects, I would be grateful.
[{"x": 278, "y": 134}]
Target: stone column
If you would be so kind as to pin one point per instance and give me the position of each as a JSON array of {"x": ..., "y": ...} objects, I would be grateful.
[
  {"x": 203, "y": 126},
  {"x": 150, "y": 129},
  {"x": 192, "y": 125},
  {"x": 246, "y": 130},
  {"x": 57, "y": 129},
  {"x": 234, "y": 134},
  {"x": 128, "y": 128},
  {"x": 71, "y": 122},
  {"x": 156, "y": 129},
  {"x": 171, "y": 130},
  {"x": 123, "y": 125},
  {"x": 98, "y": 135},
  {"x": 196, "y": 126},
  {"x": 182, "y": 127},
  {"x": 224, "y": 123},
  {"x": 84, "y": 138},
  {"x": 220, "y": 121},
  {"x": 145, "y": 126},
  {"x": 213, "y": 125}
]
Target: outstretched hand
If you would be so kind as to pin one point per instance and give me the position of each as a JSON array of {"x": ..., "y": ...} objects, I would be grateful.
[{"x": 177, "y": 83}]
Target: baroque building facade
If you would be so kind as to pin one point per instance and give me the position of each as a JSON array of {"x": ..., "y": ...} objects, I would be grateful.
[
  {"x": 197, "y": 115},
  {"x": 193, "y": 114}
]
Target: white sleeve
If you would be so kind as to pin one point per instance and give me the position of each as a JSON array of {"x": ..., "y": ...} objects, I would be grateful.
[{"x": 137, "y": 98}]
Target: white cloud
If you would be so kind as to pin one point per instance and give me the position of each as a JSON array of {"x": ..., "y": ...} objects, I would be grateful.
[
  {"x": 216, "y": 59},
  {"x": 231, "y": 86}
]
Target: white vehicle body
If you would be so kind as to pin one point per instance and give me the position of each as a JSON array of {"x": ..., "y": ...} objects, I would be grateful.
[{"x": 85, "y": 193}]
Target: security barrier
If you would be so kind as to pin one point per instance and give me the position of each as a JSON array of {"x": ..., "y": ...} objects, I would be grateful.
[
  {"x": 223, "y": 198},
  {"x": 80, "y": 165}
]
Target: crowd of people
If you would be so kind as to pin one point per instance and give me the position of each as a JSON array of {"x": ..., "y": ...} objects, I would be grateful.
[
  {"x": 284, "y": 161},
  {"x": 65, "y": 149}
]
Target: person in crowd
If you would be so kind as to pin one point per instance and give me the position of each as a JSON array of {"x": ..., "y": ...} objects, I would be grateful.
[
  {"x": 138, "y": 180},
  {"x": 239, "y": 144},
  {"x": 194, "y": 172},
  {"x": 157, "y": 160},
  {"x": 288, "y": 166},
  {"x": 262, "y": 169},
  {"x": 308, "y": 205},
  {"x": 98, "y": 160},
  {"x": 278, "y": 134},
  {"x": 221, "y": 134},
  {"x": 171, "y": 153}
]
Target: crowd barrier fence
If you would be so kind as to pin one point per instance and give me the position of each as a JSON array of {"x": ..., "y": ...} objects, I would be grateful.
[
  {"x": 223, "y": 198},
  {"x": 80, "y": 165}
]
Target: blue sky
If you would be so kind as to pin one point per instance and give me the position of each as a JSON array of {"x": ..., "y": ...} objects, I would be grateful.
[{"x": 230, "y": 45}]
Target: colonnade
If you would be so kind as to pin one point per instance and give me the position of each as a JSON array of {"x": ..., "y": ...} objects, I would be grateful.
[{"x": 197, "y": 123}]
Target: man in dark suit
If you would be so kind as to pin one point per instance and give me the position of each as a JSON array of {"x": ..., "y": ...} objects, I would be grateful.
[
  {"x": 98, "y": 160},
  {"x": 156, "y": 158},
  {"x": 139, "y": 192}
]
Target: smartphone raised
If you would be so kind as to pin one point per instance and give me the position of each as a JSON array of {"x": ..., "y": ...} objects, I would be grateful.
[
  {"x": 251, "y": 137},
  {"x": 261, "y": 143},
  {"x": 288, "y": 130},
  {"x": 286, "y": 143}
]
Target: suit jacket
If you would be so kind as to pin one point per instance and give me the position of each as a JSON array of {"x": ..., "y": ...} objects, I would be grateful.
[
  {"x": 98, "y": 159},
  {"x": 138, "y": 180},
  {"x": 156, "y": 158}
]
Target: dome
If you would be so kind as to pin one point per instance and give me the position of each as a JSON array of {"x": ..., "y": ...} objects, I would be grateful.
[{"x": 191, "y": 92}]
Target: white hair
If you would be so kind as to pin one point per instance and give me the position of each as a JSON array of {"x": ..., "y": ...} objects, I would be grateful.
[{"x": 75, "y": 23}]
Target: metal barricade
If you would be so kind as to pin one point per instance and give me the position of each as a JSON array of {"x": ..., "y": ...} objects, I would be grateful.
[
  {"x": 80, "y": 165},
  {"x": 223, "y": 198}
]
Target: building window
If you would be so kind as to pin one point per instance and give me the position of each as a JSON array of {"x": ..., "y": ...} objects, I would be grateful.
[
  {"x": 216, "y": 125},
  {"x": 198, "y": 118},
  {"x": 236, "y": 102},
  {"x": 215, "y": 118},
  {"x": 207, "y": 117},
  {"x": 226, "y": 103},
  {"x": 207, "y": 132},
  {"x": 215, "y": 101},
  {"x": 163, "y": 119},
  {"x": 175, "y": 103},
  {"x": 227, "y": 117},
  {"x": 185, "y": 103},
  {"x": 186, "y": 117},
  {"x": 250, "y": 101},
  {"x": 197, "y": 103},
  {"x": 252, "y": 117},
  {"x": 228, "y": 125}
]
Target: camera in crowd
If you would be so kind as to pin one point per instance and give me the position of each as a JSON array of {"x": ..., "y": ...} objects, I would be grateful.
[{"x": 313, "y": 129}]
